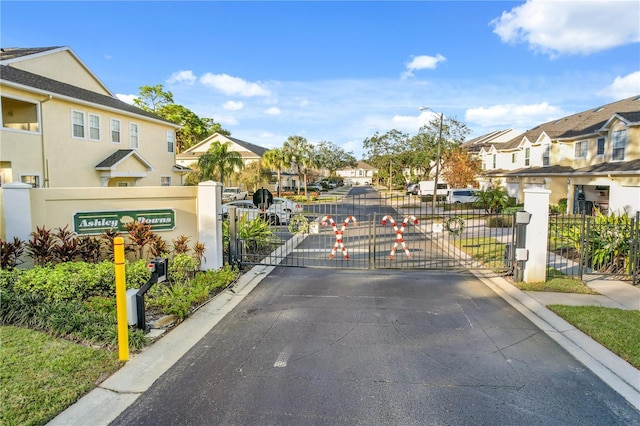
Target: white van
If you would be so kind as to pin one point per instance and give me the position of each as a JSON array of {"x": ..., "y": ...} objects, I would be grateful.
[
  {"x": 465, "y": 195},
  {"x": 425, "y": 187}
]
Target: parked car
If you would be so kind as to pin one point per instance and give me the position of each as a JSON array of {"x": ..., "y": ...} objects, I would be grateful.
[
  {"x": 233, "y": 193},
  {"x": 465, "y": 195},
  {"x": 413, "y": 188},
  {"x": 315, "y": 187},
  {"x": 273, "y": 214},
  {"x": 284, "y": 205}
]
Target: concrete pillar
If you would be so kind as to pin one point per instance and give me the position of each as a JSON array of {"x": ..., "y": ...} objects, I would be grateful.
[
  {"x": 536, "y": 202},
  {"x": 209, "y": 223},
  {"x": 17, "y": 210}
]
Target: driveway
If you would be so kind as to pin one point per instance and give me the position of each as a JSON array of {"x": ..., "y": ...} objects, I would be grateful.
[{"x": 327, "y": 347}]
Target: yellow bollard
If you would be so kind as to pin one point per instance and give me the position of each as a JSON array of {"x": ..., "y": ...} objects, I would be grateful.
[{"x": 121, "y": 299}]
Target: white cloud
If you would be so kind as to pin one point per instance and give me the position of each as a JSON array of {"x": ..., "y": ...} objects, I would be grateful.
[
  {"x": 233, "y": 105},
  {"x": 233, "y": 85},
  {"x": 273, "y": 111},
  {"x": 126, "y": 98},
  {"x": 226, "y": 120},
  {"x": 514, "y": 115},
  {"x": 623, "y": 87},
  {"x": 570, "y": 27},
  {"x": 185, "y": 77},
  {"x": 422, "y": 62}
]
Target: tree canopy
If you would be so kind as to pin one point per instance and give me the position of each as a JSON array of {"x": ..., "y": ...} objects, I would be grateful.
[{"x": 194, "y": 128}]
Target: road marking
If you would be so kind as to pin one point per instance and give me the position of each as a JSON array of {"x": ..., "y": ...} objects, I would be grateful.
[{"x": 283, "y": 358}]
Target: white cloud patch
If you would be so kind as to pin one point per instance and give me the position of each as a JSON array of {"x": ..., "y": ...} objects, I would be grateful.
[
  {"x": 226, "y": 120},
  {"x": 126, "y": 98},
  {"x": 422, "y": 62},
  {"x": 570, "y": 27},
  {"x": 273, "y": 111},
  {"x": 623, "y": 87},
  {"x": 182, "y": 77},
  {"x": 233, "y": 105},
  {"x": 230, "y": 85},
  {"x": 514, "y": 115}
]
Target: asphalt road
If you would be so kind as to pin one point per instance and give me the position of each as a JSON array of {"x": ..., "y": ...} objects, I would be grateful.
[{"x": 348, "y": 347}]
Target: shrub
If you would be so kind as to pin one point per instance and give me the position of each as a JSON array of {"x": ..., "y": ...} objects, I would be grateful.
[
  {"x": 182, "y": 268},
  {"x": 40, "y": 246},
  {"x": 137, "y": 273},
  {"x": 10, "y": 253},
  {"x": 503, "y": 221}
]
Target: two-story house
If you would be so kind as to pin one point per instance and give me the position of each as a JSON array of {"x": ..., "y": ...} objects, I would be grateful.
[
  {"x": 591, "y": 158},
  {"x": 62, "y": 127}
]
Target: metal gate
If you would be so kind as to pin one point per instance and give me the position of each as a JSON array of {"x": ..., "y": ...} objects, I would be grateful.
[{"x": 375, "y": 231}]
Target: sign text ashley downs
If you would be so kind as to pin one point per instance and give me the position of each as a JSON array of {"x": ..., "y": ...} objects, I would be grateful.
[{"x": 98, "y": 222}]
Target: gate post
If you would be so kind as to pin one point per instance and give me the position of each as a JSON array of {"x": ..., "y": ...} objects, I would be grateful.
[
  {"x": 536, "y": 202},
  {"x": 209, "y": 208},
  {"x": 17, "y": 211}
]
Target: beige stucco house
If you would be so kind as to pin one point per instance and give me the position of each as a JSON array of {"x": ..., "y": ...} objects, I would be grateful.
[
  {"x": 62, "y": 127},
  {"x": 361, "y": 174},
  {"x": 591, "y": 158}
]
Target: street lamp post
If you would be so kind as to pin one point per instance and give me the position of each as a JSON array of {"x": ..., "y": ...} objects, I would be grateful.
[{"x": 435, "y": 181}]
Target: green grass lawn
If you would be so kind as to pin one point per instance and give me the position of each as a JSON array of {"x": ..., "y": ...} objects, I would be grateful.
[
  {"x": 487, "y": 250},
  {"x": 615, "y": 329},
  {"x": 40, "y": 375}
]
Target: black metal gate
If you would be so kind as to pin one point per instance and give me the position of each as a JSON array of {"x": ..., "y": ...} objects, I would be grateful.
[{"x": 371, "y": 230}]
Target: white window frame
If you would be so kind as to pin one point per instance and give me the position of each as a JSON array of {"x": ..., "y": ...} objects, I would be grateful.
[
  {"x": 112, "y": 130},
  {"x": 514, "y": 157},
  {"x": 546, "y": 155},
  {"x": 494, "y": 161},
  {"x": 91, "y": 127},
  {"x": 581, "y": 150},
  {"x": 527, "y": 156},
  {"x": 171, "y": 141},
  {"x": 165, "y": 180},
  {"x": 75, "y": 113},
  {"x": 618, "y": 143},
  {"x": 134, "y": 135},
  {"x": 604, "y": 147}
]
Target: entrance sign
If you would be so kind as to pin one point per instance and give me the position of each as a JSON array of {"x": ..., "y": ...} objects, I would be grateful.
[{"x": 98, "y": 222}]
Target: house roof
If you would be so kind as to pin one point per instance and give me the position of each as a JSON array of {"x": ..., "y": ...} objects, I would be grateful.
[
  {"x": 114, "y": 159},
  {"x": 617, "y": 167},
  {"x": 583, "y": 123},
  {"x": 495, "y": 138},
  {"x": 11, "y": 53},
  {"x": 258, "y": 150},
  {"x": 54, "y": 87}
]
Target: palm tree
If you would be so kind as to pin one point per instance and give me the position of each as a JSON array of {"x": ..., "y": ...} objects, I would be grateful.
[
  {"x": 277, "y": 159},
  {"x": 493, "y": 200},
  {"x": 295, "y": 146},
  {"x": 219, "y": 162}
]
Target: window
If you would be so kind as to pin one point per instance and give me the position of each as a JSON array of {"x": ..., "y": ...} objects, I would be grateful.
[
  {"x": 77, "y": 119},
  {"x": 600, "y": 147},
  {"x": 546, "y": 150},
  {"x": 19, "y": 115},
  {"x": 360, "y": 173},
  {"x": 33, "y": 180},
  {"x": 171, "y": 145},
  {"x": 165, "y": 181},
  {"x": 115, "y": 131},
  {"x": 494, "y": 161},
  {"x": 527, "y": 156},
  {"x": 619, "y": 145},
  {"x": 133, "y": 136},
  {"x": 581, "y": 149},
  {"x": 94, "y": 127},
  {"x": 514, "y": 157}
]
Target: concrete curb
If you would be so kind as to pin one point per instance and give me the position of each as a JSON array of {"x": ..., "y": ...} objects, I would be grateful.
[
  {"x": 614, "y": 371},
  {"x": 103, "y": 404}
]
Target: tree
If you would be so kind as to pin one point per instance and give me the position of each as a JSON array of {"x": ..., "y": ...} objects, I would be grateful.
[
  {"x": 254, "y": 176},
  {"x": 333, "y": 158},
  {"x": 383, "y": 152},
  {"x": 459, "y": 168},
  {"x": 219, "y": 162},
  {"x": 296, "y": 148},
  {"x": 277, "y": 159},
  {"x": 194, "y": 128}
]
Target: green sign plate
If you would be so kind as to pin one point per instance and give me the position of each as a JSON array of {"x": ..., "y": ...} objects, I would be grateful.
[{"x": 98, "y": 222}]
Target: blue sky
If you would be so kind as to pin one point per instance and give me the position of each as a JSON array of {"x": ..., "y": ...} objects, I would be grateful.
[{"x": 340, "y": 71}]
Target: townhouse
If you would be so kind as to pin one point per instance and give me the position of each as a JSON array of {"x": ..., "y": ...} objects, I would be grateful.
[
  {"x": 62, "y": 127},
  {"x": 591, "y": 159}
]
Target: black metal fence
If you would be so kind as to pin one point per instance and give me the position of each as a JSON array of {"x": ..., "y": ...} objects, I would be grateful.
[
  {"x": 607, "y": 245},
  {"x": 373, "y": 230}
]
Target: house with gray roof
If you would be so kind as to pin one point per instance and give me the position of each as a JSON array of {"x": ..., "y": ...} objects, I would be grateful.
[
  {"x": 591, "y": 158},
  {"x": 62, "y": 127}
]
